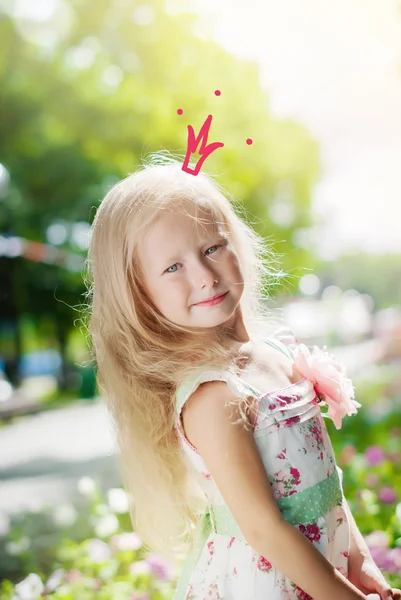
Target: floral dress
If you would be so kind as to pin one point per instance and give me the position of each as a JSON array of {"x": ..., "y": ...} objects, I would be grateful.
[{"x": 297, "y": 453}]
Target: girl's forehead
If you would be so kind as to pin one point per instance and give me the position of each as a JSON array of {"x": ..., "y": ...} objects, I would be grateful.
[
  {"x": 192, "y": 209},
  {"x": 197, "y": 217}
]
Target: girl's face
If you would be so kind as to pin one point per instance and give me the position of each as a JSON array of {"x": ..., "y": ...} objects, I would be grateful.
[{"x": 181, "y": 263}]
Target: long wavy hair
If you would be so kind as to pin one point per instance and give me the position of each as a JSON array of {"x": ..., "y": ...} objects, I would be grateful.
[{"x": 141, "y": 357}]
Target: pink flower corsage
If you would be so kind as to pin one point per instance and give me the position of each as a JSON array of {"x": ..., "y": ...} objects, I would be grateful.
[{"x": 330, "y": 382}]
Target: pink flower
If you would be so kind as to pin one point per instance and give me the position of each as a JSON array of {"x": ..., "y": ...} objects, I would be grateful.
[
  {"x": 329, "y": 379},
  {"x": 158, "y": 566},
  {"x": 387, "y": 495},
  {"x": 374, "y": 455},
  {"x": 377, "y": 539}
]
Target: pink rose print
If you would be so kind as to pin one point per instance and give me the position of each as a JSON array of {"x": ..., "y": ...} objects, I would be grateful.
[
  {"x": 330, "y": 381},
  {"x": 284, "y": 481},
  {"x": 314, "y": 441},
  {"x": 279, "y": 490},
  {"x": 301, "y": 595},
  {"x": 207, "y": 475},
  {"x": 210, "y": 545},
  {"x": 311, "y": 531},
  {"x": 311, "y": 444},
  {"x": 264, "y": 565},
  {"x": 212, "y": 592},
  {"x": 291, "y": 421},
  {"x": 317, "y": 432}
]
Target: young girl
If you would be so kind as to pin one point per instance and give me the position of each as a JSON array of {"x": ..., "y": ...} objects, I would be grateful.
[{"x": 217, "y": 409}]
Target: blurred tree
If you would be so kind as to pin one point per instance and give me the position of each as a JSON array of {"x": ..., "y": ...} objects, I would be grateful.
[
  {"x": 80, "y": 112},
  {"x": 376, "y": 275}
]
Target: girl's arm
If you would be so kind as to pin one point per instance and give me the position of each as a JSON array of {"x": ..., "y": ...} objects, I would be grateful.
[
  {"x": 232, "y": 457},
  {"x": 293, "y": 554}
]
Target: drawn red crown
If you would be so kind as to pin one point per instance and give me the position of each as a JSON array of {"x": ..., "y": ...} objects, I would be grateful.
[{"x": 204, "y": 150}]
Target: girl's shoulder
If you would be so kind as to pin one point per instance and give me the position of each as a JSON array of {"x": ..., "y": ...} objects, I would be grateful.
[
  {"x": 281, "y": 341},
  {"x": 192, "y": 382}
]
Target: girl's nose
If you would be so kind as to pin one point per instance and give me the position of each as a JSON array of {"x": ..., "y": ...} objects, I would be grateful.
[{"x": 207, "y": 278}]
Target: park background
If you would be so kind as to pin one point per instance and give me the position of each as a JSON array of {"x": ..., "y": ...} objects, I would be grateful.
[{"x": 87, "y": 90}]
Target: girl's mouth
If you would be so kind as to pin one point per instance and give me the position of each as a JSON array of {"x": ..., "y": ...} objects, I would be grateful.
[{"x": 213, "y": 301}]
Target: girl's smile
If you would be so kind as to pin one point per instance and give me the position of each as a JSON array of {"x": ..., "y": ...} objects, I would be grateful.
[{"x": 213, "y": 301}]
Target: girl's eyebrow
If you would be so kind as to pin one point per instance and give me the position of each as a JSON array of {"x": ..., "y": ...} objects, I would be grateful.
[{"x": 176, "y": 256}]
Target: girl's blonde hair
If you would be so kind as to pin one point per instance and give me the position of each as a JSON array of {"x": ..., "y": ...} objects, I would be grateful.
[{"x": 142, "y": 357}]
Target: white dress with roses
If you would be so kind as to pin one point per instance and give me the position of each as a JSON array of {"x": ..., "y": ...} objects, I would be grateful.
[{"x": 297, "y": 453}]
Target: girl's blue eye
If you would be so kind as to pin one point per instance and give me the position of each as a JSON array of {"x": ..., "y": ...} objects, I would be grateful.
[
  {"x": 217, "y": 246},
  {"x": 168, "y": 270}
]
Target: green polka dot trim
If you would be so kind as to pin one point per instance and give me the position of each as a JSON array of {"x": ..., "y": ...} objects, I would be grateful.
[{"x": 301, "y": 507}]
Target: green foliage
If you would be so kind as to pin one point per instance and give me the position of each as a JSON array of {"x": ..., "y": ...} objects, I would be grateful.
[{"x": 70, "y": 126}]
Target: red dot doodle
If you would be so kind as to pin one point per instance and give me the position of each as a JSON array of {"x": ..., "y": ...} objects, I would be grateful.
[
  {"x": 217, "y": 92},
  {"x": 179, "y": 111},
  {"x": 249, "y": 141}
]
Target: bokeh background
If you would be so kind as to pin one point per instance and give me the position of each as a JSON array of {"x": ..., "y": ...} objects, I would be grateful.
[{"x": 87, "y": 89}]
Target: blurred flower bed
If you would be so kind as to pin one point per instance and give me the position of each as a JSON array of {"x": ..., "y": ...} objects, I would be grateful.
[
  {"x": 82, "y": 552},
  {"x": 88, "y": 551},
  {"x": 368, "y": 449}
]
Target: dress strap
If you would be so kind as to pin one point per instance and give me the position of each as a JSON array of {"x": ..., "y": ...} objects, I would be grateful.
[{"x": 279, "y": 346}]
